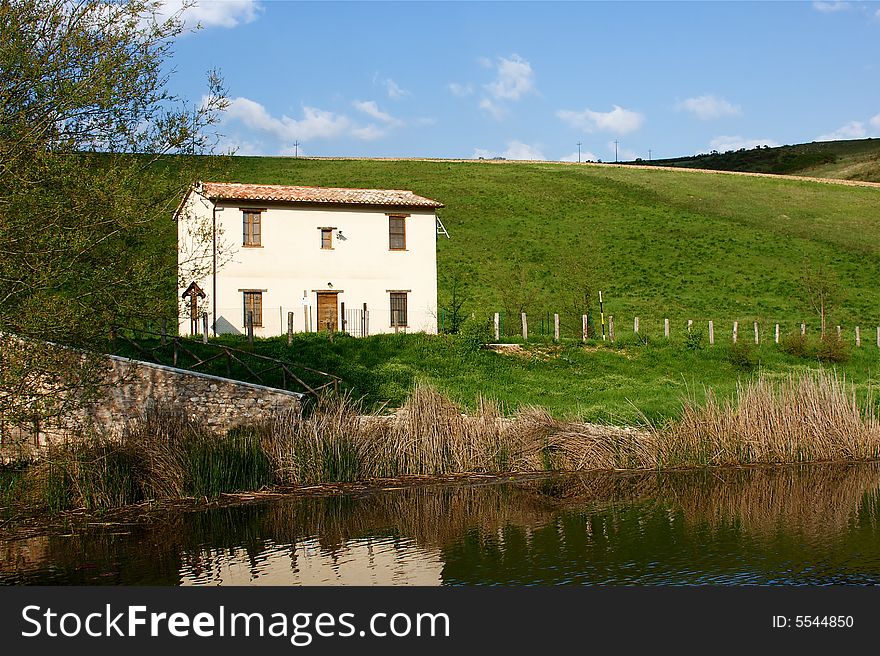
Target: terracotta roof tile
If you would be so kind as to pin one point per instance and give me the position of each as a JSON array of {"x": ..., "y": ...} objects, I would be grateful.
[{"x": 330, "y": 195}]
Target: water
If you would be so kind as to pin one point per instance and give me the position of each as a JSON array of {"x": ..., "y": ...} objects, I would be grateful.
[{"x": 792, "y": 525}]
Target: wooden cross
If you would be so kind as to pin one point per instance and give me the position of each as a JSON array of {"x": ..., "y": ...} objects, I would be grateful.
[{"x": 195, "y": 293}]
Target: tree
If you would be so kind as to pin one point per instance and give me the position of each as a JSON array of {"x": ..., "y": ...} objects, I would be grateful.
[
  {"x": 455, "y": 295},
  {"x": 94, "y": 155},
  {"x": 820, "y": 290}
]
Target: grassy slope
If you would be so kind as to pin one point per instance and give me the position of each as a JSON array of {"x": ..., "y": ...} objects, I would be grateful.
[
  {"x": 857, "y": 159},
  {"x": 677, "y": 244},
  {"x": 682, "y": 245}
]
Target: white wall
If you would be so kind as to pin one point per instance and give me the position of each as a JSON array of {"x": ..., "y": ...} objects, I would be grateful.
[{"x": 290, "y": 260}]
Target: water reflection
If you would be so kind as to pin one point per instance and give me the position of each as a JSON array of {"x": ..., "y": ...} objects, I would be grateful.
[{"x": 793, "y": 525}]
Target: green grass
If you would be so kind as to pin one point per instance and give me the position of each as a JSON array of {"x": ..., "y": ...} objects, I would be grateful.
[
  {"x": 856, "y": 159},
  {"x": 660, "y": 244},
  {"x": 683, "y": 245},
  {"x": 596, "y": 382}
]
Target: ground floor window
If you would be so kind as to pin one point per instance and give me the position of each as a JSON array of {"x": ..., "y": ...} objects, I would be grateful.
[
  {"x": 398, "y": 309},
  {"x": 253, "y": 304}
]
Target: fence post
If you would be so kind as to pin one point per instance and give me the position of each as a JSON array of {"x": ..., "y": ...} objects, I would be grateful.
[
  {"x": 611, "y": 327},
  {"x": 838, "y": 332},
  {"x": 777, "y": 333},
  {"x": 586, "y": 325},
  {"x": 636, "y": 325},
  {"x": 342, "y": 313},
  {"x": 858, "y": 337},
  {"x": 364, "y": 322},
  {"x": 289, "y": 328},
  {"x": 756, "y": 332},
  {"x": 803, "y": 329},
  {"x": 525, "y": 327},
  {"x": 497, "y": 327},
  {"x": 690, "y": 324},
  {"x": 666, "y": 328},
  {"x": 250, "y": 328},
  {"x": 556, "y": 327},
  {"x": 204, "y": 327},
  {"x": 878, "y": 336},
  {"x": 711, "y": 333},
  {"x": 735, "y": 330}
]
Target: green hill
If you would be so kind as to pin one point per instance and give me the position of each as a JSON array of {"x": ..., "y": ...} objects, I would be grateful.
[
  {"x": 677, "y": 244},
  {"x": 857, "y": 159}
]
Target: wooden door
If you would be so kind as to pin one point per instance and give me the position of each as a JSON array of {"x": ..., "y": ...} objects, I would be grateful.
[{"x": 328, "y": 313}]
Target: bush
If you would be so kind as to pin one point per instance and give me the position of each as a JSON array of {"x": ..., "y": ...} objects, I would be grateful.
[
  {"x": 742, "y": 356},
  {"x": 795, "y": 344},
  {"x": 693, "y": 341},
  {"x": 473, "y": 333},
  {"x": 833, "y": 349}
]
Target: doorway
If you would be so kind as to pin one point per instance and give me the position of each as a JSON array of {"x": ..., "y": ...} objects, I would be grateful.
[{"x": 328, "y": 311}]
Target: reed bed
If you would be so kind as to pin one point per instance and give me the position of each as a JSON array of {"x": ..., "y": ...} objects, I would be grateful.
[
  {"x": 807, "y": 418},
  {"x": 165, "y": 455}
]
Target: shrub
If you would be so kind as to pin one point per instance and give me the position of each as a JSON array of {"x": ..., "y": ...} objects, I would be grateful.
[
  {"x": 693, "y": 341},
  {"x": 832, "y": 349},
  {"x": 794, "y": 344},
  {"x": 742, "y": 356},
  {"x": 473, "y": 333}
]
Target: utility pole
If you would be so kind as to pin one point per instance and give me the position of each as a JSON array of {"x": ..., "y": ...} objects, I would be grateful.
[
  {"x": 295, "y": 149},
  {"x": 615, "y": 150},
  {"x": 579, "y": 152},
  {"x": 649, "y": 154}
]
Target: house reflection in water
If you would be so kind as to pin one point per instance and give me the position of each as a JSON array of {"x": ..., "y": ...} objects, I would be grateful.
[{"x": 367, "y": 561}]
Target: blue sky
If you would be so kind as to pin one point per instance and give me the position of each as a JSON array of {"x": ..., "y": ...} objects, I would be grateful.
[{"x": 531, "y": 80}]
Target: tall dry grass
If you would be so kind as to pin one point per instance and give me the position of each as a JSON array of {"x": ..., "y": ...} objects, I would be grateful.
[
  {"x": 810, "y": 418},
  {"x": 806, "y": 418}
]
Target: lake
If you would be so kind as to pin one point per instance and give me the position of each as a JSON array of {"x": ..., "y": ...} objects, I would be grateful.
[{"x": 793, "y": 525}]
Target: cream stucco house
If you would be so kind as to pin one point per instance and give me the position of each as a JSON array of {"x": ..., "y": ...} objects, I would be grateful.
[{"x": 363, "y": 261}]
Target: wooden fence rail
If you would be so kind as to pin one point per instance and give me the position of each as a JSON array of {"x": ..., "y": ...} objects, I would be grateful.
[{"x": 587, "y": 330}]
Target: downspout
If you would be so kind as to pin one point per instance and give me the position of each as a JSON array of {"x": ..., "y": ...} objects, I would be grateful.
[{"x": 214, "y": 267}]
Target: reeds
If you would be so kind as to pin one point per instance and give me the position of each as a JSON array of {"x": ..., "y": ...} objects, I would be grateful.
[
  {"x": 165, "y": 455},
  {"x": 807, "y": 418}
]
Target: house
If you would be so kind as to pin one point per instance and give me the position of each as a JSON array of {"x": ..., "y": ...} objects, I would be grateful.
[{"x": 362, "y": 261}]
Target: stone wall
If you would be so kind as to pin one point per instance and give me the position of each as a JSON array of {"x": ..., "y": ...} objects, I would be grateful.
[
  {"x": 217, "y": 402},
  {"x": 130, "y": 387}
]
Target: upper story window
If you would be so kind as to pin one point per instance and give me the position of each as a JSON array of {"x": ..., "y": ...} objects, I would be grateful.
[
  {"x": 327, "y": 238},
  {"x": 397, "y": 232},
  {"x": 251, "y": 228}
]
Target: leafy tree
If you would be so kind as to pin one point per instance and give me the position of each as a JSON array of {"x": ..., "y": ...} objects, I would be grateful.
[{"x": 94, "y": 155}]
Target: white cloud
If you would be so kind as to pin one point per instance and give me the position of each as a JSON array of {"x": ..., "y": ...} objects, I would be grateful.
[
  {"x": 494, "y": 110},
  {"x": 586, "y": 156},
  {"x": 369, "y": 132},
  {"x": 831, "y": 7},
  {"x": 212, "y": 13},
  {"x": 394, "y": 91},
  {"x": 515, "y": 150},
  {"x": 514, "y": 79},
  {"x": 314, "y": 124},
  {"x": 460, "y": 90},
  {"x": 370, "y": 108},
  {"x": 875, "y": 120},
  {"x": 723, "y": 144},
  {"x": 852, "y": 130},
  {"x": 618, "y": 120},
  {"x": 709, "y": 107}
]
